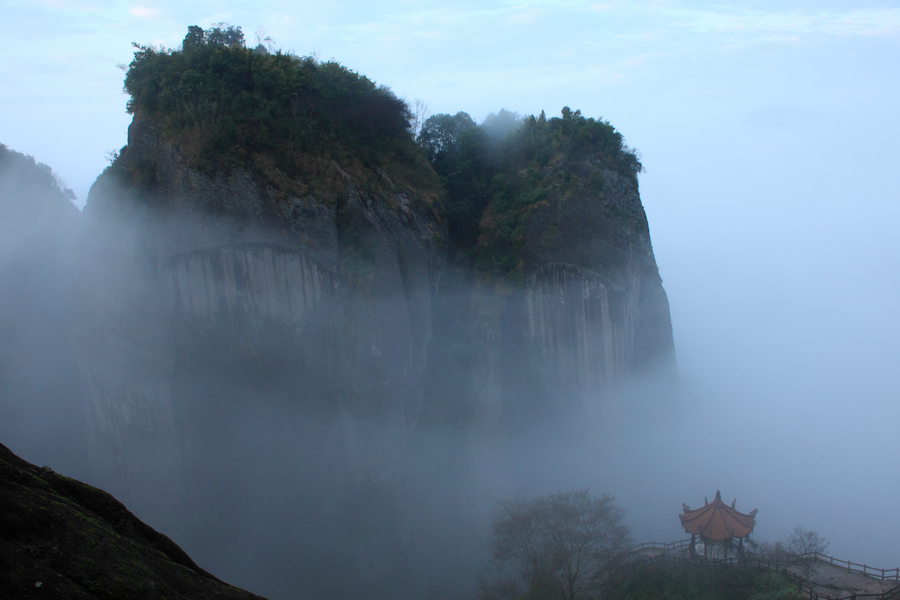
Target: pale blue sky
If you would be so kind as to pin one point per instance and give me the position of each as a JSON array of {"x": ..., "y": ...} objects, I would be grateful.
[
  {"x": 769, "y": 131},
  {"x": 649, "y": 67}
]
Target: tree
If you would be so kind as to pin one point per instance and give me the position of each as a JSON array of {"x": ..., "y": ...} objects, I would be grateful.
[
  {"x": 195, "y": 37},
  {"x": 227, "y": 103},
  {"x": 558, "y": 543},
  {"x": 440, "y": 133},
  {"x": 499, "y": 125},
  {"x": 223, "y": 34},
  {"x": 419, "y": 112},
  {"x": 806, "y": 544},
  {"x": 264, "y": 42}
]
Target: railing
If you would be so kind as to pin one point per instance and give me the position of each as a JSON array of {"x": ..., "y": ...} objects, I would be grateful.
[
  {"x": 780, "y": 563},
  {"x": 882, "y": 574},
  {"x": 852, "y": 567},
  {"x": 676, "y": 545}
]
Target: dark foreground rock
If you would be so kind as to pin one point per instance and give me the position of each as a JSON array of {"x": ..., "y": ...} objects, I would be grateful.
[{"x": 60, "y": 538}]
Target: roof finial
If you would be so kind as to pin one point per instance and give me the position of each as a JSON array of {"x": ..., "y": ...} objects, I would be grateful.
[{"x": 718, "y": 495}]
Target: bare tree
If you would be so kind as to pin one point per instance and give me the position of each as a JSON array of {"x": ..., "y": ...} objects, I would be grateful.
[
  {"x": 264, "y": 40},
  {"x": 560, "y": 542},
  {"x": 419, "y": 112},
  {"x": 806, "y": 544},
  {"x": 776, "y": 548}
]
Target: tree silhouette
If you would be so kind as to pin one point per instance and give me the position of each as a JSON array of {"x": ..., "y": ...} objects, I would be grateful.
[
  {"x": 806, "y": 543},
  {"x": 558, "y": 543}
]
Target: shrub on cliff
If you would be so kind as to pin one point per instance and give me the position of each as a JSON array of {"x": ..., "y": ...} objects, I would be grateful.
[
  {"x": 458, "y": 149},
  {"x": 222, "y": 103},
  {"x": 495, "y": 174}
]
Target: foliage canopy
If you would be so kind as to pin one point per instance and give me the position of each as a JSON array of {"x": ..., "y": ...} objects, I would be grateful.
[
  {"x": 221, "y": 102},
  {"x": 496, "y": 173}
]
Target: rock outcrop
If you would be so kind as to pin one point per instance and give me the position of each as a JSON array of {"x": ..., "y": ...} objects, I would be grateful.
[
  {"x": 596, "y": 311},
  {"x": 589, "y": 316},
  {"x": 60, "y": 538}
]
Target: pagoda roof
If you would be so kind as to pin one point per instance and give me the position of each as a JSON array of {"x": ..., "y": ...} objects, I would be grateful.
[{"x": 717, "y": 521}]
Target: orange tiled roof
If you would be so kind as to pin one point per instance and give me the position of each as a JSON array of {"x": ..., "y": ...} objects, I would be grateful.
[{"x": 717, "y": 521}]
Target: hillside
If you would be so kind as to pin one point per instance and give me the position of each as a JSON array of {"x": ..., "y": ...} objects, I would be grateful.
[{"x": 60, "y": 538}]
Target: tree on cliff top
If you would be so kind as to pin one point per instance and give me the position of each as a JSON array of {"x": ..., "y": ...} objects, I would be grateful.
[
  {"x": 221, "y": 34},
  {"x": 222, "y": 104},
  {"x": 557, "y": 543},
  {"x": 497, "y": 172}
]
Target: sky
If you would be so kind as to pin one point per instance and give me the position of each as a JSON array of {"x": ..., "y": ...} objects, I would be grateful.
[{"x": 769, "y": 133}]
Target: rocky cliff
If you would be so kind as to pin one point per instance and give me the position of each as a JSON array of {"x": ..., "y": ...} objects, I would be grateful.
[
  {"x": 283, "y": 352},
  {"x": 577, "y": 311},
  {"x": 211, "y": 301},
  {"x": 216, "y": 306},
  {"x": 596, "y": 311}
]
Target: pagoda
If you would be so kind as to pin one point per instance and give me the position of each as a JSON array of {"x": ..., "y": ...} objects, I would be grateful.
[{"x": 717, "y": 524}]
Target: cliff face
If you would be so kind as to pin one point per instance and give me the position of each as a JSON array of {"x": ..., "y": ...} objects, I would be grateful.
[
  {"x": 214, "y": 307},
  {"x": 596, "y": 310},
  {"x": 223, "y": 260},
  {"x": 589, "y": 316}
]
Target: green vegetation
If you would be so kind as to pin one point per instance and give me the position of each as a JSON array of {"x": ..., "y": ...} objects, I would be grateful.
[
  {"x": 306, "y": 125},
  {"x": 696, "y": 582},
  {"x": 458, "y": 150},
  {"x": 497, "y": 173},
  {"x": 21, "y": 175},
  {"x": 223, "y": 104}
]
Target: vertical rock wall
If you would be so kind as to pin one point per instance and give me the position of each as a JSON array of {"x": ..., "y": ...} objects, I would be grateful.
[
  {"x": 590, "y": 315},
  {"x": 581, "y": 331},
  {"x": 230, "y": 334}
]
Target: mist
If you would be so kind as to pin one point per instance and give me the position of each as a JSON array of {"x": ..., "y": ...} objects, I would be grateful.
[
  {"x": 784, "y": 403},
  {"x": 770, "y": 189},
  {"x": 782, "y": 305}
]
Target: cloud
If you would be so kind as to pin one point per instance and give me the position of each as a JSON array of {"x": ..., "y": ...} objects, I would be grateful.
[
  {"x": 430, "y": 23},
  {"x": 673, "y": 20},
  {"x": 143, "y": 12},
  {"x": 786, "y": 25}
]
